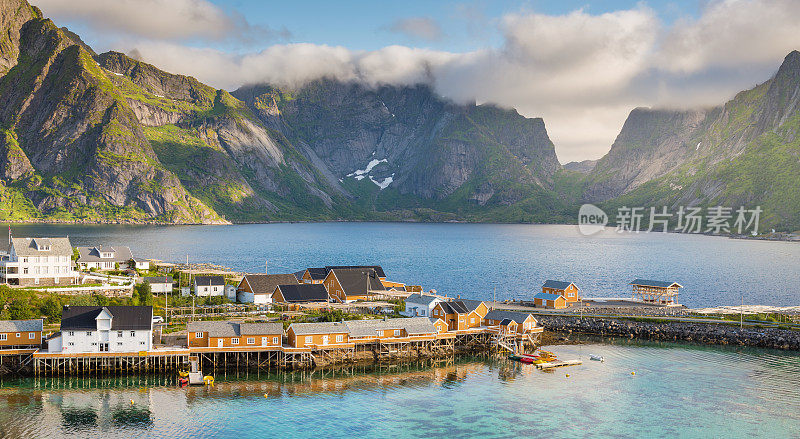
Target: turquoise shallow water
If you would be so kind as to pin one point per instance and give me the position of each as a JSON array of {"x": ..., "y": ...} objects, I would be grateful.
[
  {"x": 677, "y": 391},
  {"x": 475, "y": 259}
]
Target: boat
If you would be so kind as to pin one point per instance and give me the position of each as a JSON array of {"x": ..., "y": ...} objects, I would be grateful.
[
  {"x": 526, "y": 360},
  {"x": 514, "y": 357},
  {"x": 183, "y": 381},
  {"x": 183, "y": 373},
  {"x": 599, "y": 358},
  {"x": 208, "y": 380}
]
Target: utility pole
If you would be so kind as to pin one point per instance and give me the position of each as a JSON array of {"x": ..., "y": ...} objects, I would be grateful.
[
  {"x": 192, "y": 318},
  {"x": 741, "y": 314},
  {"x": 266, "y": 267}
]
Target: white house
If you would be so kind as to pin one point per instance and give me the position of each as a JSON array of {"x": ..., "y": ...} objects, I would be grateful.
[
  {"x": 104, "y": 258},
  {"x": 209, "y": 285},
  {"x": 37, "y": 261},
  {"x": 141, "y": 264},
  {"x": 258, "y": 288},
  {"x": 159, "y": 284},
  {"x": 89, "y": 329},
  {"x": 420, "y": 305}
]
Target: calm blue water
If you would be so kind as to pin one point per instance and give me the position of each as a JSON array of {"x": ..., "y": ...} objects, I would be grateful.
[
  {"x": 475, "y": 259},
  {"x": 677, "y": 391}
]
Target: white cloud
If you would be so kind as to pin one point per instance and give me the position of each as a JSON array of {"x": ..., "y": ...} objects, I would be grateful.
[
  {"x": 419, "y": 28},
  {"x": 177, "y": 20},
  {"x": 582, "y": 73}
]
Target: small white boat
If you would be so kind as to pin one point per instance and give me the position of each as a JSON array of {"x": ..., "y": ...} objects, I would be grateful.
[{"x": 597, "y": 358}]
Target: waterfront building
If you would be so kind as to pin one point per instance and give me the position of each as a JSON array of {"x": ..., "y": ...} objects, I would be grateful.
[
  {"x": 351, "y": 284},
  {"x": 377, "y": 268},
  {"x": 419, "y": 304},
  {"x": 549, "y": 300},
  {"x": 37, "y": 262},
  {"x": 141, "y": 264},
  {"x": 89, "y": 329},
  {"x": 384, "y": 329},
  {"x": 258, "y": 288},
  {"x": 461, "y": 314},
  {"x": 440, "y": 324},
  {"x": 523, "y": 322},
  {"x": 159, "y": 284},
  {"x": 104, "y": 258},
  {"x": 314, "y": 275},
  {"x": 21, "y": 334},
  {"x": 656, "y": 291},
  {"x": 234, "y": 335},
  {"x": 567, "y": 289},
  {"x": 209, "y": 286},
  {"x": 316, "y": 335},
  {"x": 300, "y": 293}
]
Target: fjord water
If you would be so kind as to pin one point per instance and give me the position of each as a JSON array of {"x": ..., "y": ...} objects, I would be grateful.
[
  {"x": 677, "y": 391},
  {"x": 474, "y": 260}
]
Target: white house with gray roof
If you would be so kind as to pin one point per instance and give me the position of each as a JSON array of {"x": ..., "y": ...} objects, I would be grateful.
[
  {"x": 420, "y": 305},
  {"x": 104, "y": 258},
  {"x": 38, "y": 261}
]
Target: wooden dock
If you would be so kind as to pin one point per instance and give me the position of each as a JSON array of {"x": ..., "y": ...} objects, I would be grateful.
[{"x": 555, "y": 364}]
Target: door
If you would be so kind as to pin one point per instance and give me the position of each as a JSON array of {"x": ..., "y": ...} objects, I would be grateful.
[
  {"x": 324, "y": 340},
  {"x": 220, "y": 342}
]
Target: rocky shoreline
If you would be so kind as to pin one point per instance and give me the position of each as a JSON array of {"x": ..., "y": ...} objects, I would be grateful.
[{"x": 704, "y": 333}]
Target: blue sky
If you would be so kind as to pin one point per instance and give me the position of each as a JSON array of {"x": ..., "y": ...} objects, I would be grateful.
[{"x": 582, "y": 66}]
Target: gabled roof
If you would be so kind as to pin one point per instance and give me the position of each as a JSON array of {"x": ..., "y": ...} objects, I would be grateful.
[
  {"x": 208, "y": 281},
  {"x": 469, "y": 304},
  {"x": 122, "y": 317},
  {"x": 317, "y": 273},
  {"x": 370, "y": 327},
  {"x": 27, "y": 246},
  {"x": 235, "y": 329},
  {"x": 547, "y": 296},
  {"x": 304, "y": 293},
  {"x": 517, "y": 316},
  {"x": 158, "y": 280},
  {"x": 655, "y": 283},
  {"x": 319, "y": 328},
  {"x": 299, "y": 275},
  {"x": 507, "y": 322},
  {"x": 92, "y": 254},
  {"x": 454, "y": 307},
  {"x": 266, "y": 283},
  {"x": 21, "y": 325},
  {"x": 354, "y": 280},
  {"x": 378, "y": 269},
  {"x": 557, "y": 284},
  {"x": 424, "y": 299}
]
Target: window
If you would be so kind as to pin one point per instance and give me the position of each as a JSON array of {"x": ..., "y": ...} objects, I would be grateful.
[
  {"x": 93, "y": 344},
  {"x": 71, "y": 333},
  {"x": 71, "y": 344},
  {"x": 25, "y": 270},
  {"x": 133, "y": 333},
  {"x": 339, "y": 338},
  {"x": 119, "y": 343},
  {"x": 119, "y": 333},
  {"x": 19, "y": 335},
  {"x": 274, "y": 340},
  {"x": 89, "y": 333},
  {"x": 31, "y": 336},
  {"x": 141, "y": 343},
  {"x": 309, "y": 340},
  {"x": 571, "y": 294},
  {"x": 472, "y": 320},
  {"x": 397, "y": 333},
  {"x": 198, "y": 335},
  {"x": 3, "y": 337},
  {"x": 234, "y": 341},
  {"x": 36, "y": 281},
  {"x": 251, "y": 340}
]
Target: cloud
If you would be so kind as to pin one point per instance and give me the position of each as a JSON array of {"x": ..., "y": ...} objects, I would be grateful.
[
  {"x": 418, "y": 28},
  {"x": 582, "y": 73},
  {"x": 174, "y": 20}
]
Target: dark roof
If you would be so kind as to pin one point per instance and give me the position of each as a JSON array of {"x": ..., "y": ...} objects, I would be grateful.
[
  {"x": 299, "y": 275},
  {"x": 317, "y": 273},
  {"x": 506, "y": 322},
  {"x": 123, "y": 317},
  {"x": 469, "y": 304},
  {"x": 547, "y": 296},
  {"x": 207, "y": 281},
  {"x": 655, "y": 283},
  {"x": 158, "y": 280},
  {"x": 354, "y": 281},
  {"x": 304, "y": 293},
  {"x": 454, "y": 307},
  {"x": 517, "y": 316},
  {"x": 92, "y": 254},
  {"x": 377, "y": 268},
  {"x": 266, "y": 283},
  {"x": 556, "y": 284}
]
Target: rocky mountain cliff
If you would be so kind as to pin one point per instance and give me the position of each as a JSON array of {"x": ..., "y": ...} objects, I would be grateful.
[
  {"x": 109, "y": 138},
  {"x": 743, "y": 153}
]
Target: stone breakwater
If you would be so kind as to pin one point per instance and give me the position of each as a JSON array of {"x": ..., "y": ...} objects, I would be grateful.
[{"x": 719, "y": 334}]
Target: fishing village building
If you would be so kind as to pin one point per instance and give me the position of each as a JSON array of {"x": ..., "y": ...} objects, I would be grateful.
[
  {"x": 512, "y": 321},
  {"x": 220, "y": 334},
  {"x": 549, "y": 300},
  {"x": 259, "y": 288},
  {"x": 318, "y": 335},
  {"x": 159, "y": 284},
  {"x": 314, "y": 275},
  {"x": 567, "y": 289},
  {"x": 461, "y": 314},
  {"x": 351, "y": 284},
  {"x": 377, "y": 268},
  {"x": 418, "y": 304},
  {"x": 37, "y": 262},
  {"x": 104, "y": 258},
  {"x": 89, "y": 329},
  {"x": 300, "y": 293},
  {"x": 209, "y": 286},
  {"x": 21, "y": 334},
  {"x": 656, "y": 291}
]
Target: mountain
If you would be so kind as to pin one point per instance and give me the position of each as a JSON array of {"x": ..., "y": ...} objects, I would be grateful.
[
  {"x": 743, "y": 153},
  {"x": 90, "y": 137},
  {"x": 583, "y": 166}
]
